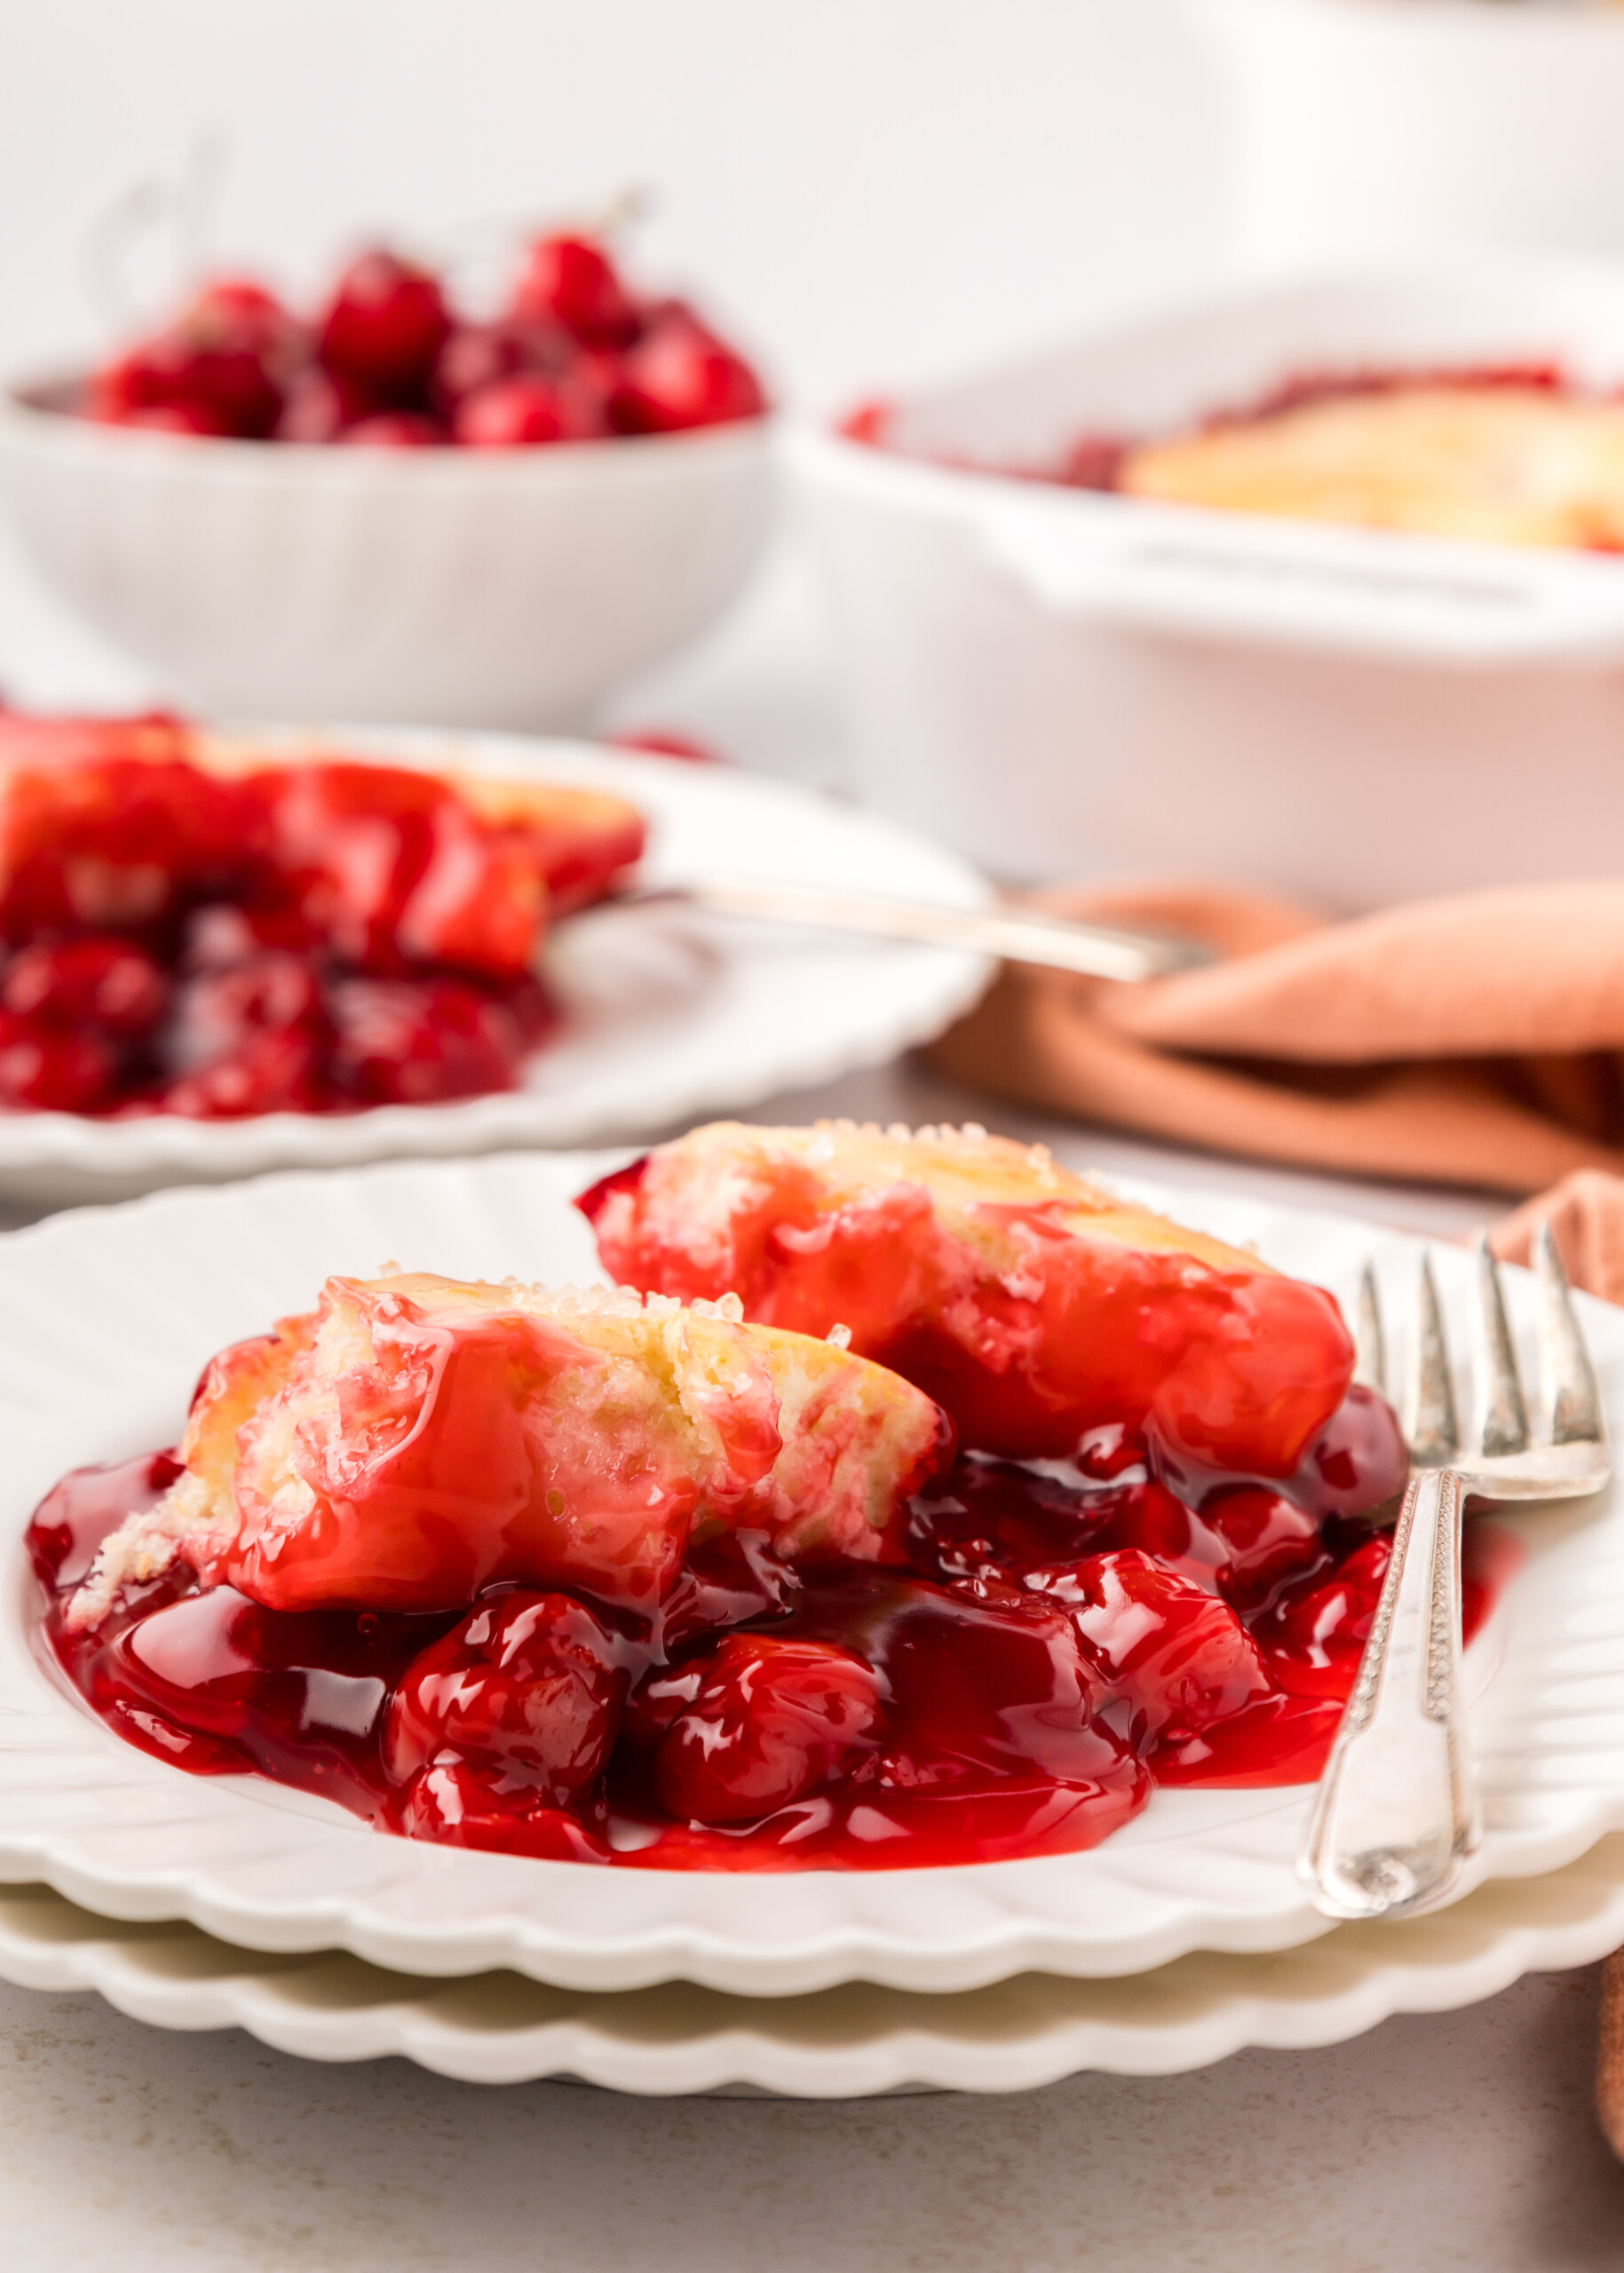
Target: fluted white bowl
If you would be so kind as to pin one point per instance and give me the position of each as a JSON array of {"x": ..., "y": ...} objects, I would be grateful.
[{"x": 500, "y": 588}]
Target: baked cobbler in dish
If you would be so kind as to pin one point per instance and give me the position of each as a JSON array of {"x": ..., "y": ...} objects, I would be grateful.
[
  {"x": 1505, "y": 453},
  {"x": 1509, "y": 464},
  {"x": 915, "y": 1502}
]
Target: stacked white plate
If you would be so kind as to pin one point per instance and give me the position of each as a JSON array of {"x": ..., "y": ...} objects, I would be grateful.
[{"x": 1179, "y": 1940}]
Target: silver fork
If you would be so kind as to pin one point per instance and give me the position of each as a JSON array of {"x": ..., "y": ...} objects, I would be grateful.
[{"x": 1396, "y": 1811}]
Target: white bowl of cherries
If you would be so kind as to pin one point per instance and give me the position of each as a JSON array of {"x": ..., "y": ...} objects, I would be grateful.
[{"x": 391, "y": 510}]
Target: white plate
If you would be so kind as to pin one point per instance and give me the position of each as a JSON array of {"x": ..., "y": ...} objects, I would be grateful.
[
  {"x": 105, "y": 1320},
  {"x": 672, "y": 1015},
  {"x": 499, "y": 2028}
]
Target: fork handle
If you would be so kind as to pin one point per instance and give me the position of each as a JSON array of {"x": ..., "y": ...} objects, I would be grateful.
[{"x": 1396, "y": 1812}]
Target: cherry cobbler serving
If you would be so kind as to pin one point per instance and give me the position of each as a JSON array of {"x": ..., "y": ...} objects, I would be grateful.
[
  {"x": 910, "y": 1502},
  {"x": 197, "y": 927}
]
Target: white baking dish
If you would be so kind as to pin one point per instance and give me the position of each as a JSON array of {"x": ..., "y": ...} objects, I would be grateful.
[{"x": 1062, "y": 683}]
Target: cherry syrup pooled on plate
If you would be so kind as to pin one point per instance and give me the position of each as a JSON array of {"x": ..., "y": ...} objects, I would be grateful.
[
  {"x": 182, "y": 937},
  {"x": 1061, "y": 1640}
]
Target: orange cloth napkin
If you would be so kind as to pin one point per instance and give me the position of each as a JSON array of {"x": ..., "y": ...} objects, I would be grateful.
[
  {"x": 1586, "y": 1211},
  {"x": 1476, "y": 1040}
]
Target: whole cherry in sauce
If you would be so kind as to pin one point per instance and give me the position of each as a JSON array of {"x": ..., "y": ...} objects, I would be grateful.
[
  {"x": 526, "y": 1689},
  {"x": 771, "y": 1719},
  {"x": 98, "y": 980}
]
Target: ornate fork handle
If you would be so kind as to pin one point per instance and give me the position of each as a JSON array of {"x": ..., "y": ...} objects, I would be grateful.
[{"x": 1396, "y": 1812}]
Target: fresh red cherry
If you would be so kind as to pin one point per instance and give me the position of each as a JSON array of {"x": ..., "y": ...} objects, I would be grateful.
[
  {"x": 772, "y": 1721},
  {"x": 680, "y": 376},
  {"x": 528, "y": 1688},
  {"x": 55, "y": 1069},
  {"x": 572, "y": 280},
  {"x": 223, "y": 365},
  {"x": 420, "y": 1040},
  {"x": 97, "y": 980},
  {"x": 474, "y": 354},
  {"x": 519, "y": 412},
  {"x": 384, "y": 324},
  {"x": 320, "y": 405},
  {"x": 397, "y": 430}
]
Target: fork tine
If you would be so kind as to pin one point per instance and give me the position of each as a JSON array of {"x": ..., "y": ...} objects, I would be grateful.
[
  {"x": 1430, "y": 1421},
  {"x": 1369, "y": 1341},
  {"x": 1572, "y": 1400},
  {"x": 1499, "y": 1415}
]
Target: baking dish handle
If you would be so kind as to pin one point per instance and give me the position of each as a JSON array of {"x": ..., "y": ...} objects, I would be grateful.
[{"x": 1301, "y": 585}]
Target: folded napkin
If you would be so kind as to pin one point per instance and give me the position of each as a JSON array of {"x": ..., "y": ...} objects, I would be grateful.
[
  {"x": 1476, "y": 1040},
  {"x": 1586, "y": 1214}
]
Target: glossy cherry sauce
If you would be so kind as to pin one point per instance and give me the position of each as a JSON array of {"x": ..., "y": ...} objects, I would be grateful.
[
  {"x": 312, "y": 937},
  {"x": 1058, "y": 1646}
]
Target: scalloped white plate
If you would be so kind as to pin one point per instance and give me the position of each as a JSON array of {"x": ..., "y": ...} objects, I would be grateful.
[
  {"x": 671, "y": 1015},
  {"x": 105, "y": 1320},
  {"x": 1016, "y": 2035}
]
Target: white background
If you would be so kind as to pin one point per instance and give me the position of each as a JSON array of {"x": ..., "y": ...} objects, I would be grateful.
[{"x": 871, "y": 191}]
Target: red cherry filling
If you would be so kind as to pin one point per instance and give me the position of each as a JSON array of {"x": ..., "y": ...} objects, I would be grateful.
[
  {"x": 461, "y": 1804},
  {"x": 220, "y": 369},
  {"x": 98, "y": 980},
  {"x": 527, "y": 1690},
  {"x": 320, "y": 405},
  {"x": 308, "y": 938},
  {"x": 418, "y": 1041},
  {"x": 770, "y": 1720},
  {"x": 855, "y": 1721},
  {"x": 54, "y": 1069}
]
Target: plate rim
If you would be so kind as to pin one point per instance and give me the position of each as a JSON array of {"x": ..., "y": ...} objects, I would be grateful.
[{"x": 330, "y": 2006}]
